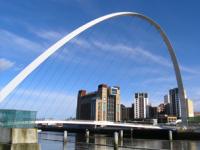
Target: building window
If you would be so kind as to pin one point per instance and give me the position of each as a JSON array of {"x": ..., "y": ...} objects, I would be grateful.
[
  {"x": 104, "y": 106},
  {"x": 117, "y": 109}
]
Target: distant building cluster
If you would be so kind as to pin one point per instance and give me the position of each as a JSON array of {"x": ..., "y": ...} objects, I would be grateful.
[
  {"x": 170, "y": 110},
  {"x": 104, "y": 105}
]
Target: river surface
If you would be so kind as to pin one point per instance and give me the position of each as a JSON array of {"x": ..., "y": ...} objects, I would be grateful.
[{"x": 54, "y": 141}]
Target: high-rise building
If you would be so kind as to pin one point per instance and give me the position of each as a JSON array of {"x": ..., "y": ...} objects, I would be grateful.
[
  {"x": 101, "y": 105},
  {"x": 166, "y": 99},
  {"x": 175, "y": 108},
  {"x": 141, "y": 107},
  {"x": 190, "y": 108},
  {"x": 175, "y": 104}
]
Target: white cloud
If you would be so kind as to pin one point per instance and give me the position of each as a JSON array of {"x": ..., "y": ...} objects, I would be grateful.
[
  {"x": 5, "y": 64},
  {"x": 81, "y": 42},
  {"x": 141, "y": 54},
  {"x": 190, "y": 70},
  {"x": 136, "y": 52},
  {"x": 16, "y": 41},
  {"x": 48, "y": 34},
  {"x": 51, "y": 35}
]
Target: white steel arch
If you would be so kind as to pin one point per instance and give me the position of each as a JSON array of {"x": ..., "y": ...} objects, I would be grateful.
[{"x": 40, "y": 59}]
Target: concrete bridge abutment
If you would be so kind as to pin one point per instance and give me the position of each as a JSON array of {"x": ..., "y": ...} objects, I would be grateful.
[{"x": 18, "y": 135}]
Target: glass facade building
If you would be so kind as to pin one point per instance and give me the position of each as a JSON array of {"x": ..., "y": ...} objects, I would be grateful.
[{"x": 17, "y": 118}]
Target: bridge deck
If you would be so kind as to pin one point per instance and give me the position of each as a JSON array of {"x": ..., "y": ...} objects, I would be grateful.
[{"x": 99, "y": 123}]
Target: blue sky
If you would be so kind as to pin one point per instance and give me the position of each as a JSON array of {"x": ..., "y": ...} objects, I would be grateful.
[{"x": 123, "y": 51}]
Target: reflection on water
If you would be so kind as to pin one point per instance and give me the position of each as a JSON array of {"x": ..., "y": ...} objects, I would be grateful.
[
  {"x": 98, "y": 142},
  {"x": 19, "y": 147},
  {"x": 54, "y": 141}
]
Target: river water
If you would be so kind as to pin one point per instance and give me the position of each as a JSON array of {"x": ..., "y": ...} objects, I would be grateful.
[{"x": 54, "y": 141}]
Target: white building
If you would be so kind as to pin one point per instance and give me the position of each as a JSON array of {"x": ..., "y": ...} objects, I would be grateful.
[
  {"x": 190, "y": 108},
  {"x": 141, "y": 110}
]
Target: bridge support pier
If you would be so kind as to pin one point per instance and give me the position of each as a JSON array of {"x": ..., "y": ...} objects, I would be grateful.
[
  {"x": 18, "y": 135},
  {"x": 65, "y": 136},
  {"x": 131, "y": 132},
  {"x": 116, "y": 138},
  {"x": 121, "y": 133},
  {"x": 170, "y": 135},
  {"x": 87, "y": 133}
]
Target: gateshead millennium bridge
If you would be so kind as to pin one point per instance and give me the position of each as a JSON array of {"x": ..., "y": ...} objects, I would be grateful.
[{"x": 47, "y": 53}]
